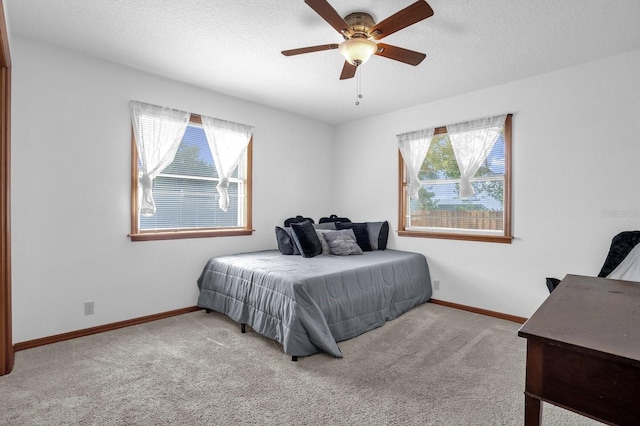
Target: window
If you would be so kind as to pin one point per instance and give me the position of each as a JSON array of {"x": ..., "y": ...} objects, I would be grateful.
[
  {"x": 186, "y": 196},
  {"x": 443, "y": 208}
]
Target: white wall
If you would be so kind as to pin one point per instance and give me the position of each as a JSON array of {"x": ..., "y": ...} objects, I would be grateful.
[
  {"x": 575, "y": 157},
  {"x": 575, "y": 162},
  {"x": 71, "y": 190}
]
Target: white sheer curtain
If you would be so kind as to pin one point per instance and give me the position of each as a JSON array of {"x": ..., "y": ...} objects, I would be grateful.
[
  {"x": 472, "y": 142},
  {"x": 158, "y": 132},
  {"x": 228, "y": 142},
  {"x": 414, "y": 147}
]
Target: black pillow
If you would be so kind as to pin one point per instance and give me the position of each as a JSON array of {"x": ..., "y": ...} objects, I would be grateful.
[
  {"x": 362, "y": 234},
  {"x": 286, "y": 245},
  {"x": 306, "y": 238},
  {"x": 552, "y": 283},
  {"x": 378, "y": 234}
]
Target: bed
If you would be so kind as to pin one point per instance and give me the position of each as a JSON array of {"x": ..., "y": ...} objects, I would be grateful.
[{"x": 310, "y": 304}]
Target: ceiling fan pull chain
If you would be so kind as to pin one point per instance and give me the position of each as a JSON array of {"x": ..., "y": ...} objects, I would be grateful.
[{"x": 358, "y": 85}]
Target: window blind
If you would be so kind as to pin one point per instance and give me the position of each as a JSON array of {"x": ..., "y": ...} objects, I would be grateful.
[{"x": 185, "y": 191}]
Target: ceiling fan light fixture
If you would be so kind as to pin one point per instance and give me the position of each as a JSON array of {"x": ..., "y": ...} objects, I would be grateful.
[{"x": 357, "y": 50}]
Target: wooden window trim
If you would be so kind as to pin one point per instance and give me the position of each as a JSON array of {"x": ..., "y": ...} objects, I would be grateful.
[
  {"x": 507, "y": 236},
  {"x": 138, "y": 235}
]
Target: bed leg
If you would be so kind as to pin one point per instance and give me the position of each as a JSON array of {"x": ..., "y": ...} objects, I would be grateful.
[
  {"x": 243, "y": 328},
  {"x": 294, "y": 358}
]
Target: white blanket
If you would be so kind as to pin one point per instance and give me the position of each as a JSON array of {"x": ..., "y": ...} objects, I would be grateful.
[{"x": 629, "y": 268}]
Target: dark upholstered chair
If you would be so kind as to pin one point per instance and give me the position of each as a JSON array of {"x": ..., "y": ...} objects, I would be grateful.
[{"x": 621, "y": 245}]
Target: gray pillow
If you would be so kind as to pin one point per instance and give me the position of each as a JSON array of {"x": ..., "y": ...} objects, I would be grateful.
[
  {"x": 326, "y": 225},
  {"x": 305, "y": 237},
  {"x": 378, "y": 234},
  {"x": 286, "y": 245},
  {"x": 323, "y": 241},
  {"x": 342, "y": 242}
]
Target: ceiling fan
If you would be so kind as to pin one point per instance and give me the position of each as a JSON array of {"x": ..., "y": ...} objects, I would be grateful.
[{"x": 360, "y": 30}]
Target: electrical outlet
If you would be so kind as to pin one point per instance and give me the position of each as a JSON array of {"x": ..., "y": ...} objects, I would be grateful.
[
  {"x": 88, "y": 308},
  {"x": 436, "y": 284}
]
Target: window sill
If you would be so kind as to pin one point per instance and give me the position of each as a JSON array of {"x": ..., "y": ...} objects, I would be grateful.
[
  {"x": 176, "y": 235},
  {"x": 454, "y": 236}
]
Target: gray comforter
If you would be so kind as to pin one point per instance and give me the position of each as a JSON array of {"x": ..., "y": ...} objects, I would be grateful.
[{"x": 309, "y": 304}]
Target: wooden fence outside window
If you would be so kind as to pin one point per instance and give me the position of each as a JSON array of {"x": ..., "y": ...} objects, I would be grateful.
[{"x": 459, "y": 219}]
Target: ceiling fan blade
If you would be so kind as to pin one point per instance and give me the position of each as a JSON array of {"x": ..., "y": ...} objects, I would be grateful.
[
  {"x": 399, "y": 54},
  {"x": 348, "y": 71},
  {"x": 329, "y": 14},
  {"x": 408, "y": 16},
  {"x": 309, "y": 49}
]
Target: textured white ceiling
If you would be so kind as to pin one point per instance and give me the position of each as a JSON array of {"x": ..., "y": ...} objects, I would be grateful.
[{"x": 234, "y": 47}]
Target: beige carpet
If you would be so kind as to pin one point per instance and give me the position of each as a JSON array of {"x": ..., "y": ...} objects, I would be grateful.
[{"x": 432, "y": 366}]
